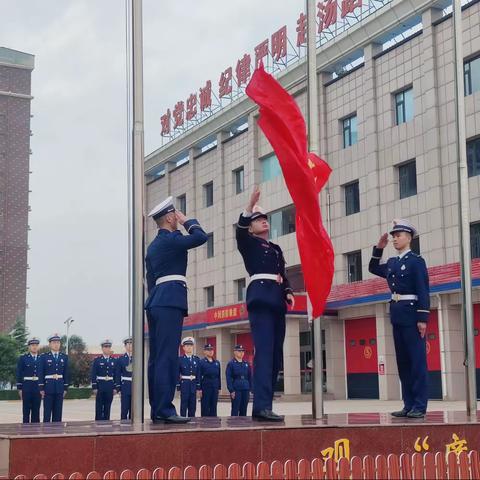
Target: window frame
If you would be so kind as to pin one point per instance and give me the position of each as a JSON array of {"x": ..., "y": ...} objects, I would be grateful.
[
  {"x": 236, "y": 177},
  {"x": 206, "y": 189},
  {"x": 346, "y": 188},
  {"x": 359, "y": 274},
  {"x": 406, "y": 194},
  {"x": 207, "y": 290},
  {"x": 210, "y": 245},
  {"x": 347, "y": 127},
  {"x": 403, "y": 105}
]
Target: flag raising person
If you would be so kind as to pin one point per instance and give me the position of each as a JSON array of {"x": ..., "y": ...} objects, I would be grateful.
[{"x": 267, "y": 296}]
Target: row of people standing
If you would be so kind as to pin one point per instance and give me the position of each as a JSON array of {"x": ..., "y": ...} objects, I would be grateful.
[
  {"x": 46, "y": 377},
  {"x": 111, "y": 376},
  {"x": 42, "y": 377},
  {"x": 202, "y": 378}
]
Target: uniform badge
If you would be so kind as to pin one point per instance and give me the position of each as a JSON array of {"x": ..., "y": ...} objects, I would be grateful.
[{"x": 403, "y": 267}]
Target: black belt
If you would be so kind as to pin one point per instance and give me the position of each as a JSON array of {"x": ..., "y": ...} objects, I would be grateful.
[{"x": 240, "y": 377}]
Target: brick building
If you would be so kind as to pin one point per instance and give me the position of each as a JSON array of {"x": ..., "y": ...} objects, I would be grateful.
[
  {"x": 15, "y": 99},
  {"x": 387, "y": 128}
]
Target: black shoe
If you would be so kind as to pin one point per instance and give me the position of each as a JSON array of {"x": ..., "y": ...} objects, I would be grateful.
[
  {"x": 172, "y": 419},
  {"x": 400, "y": 413},
  {"x": 267, "y": 416},
  {"x": 415, "y": 414}
]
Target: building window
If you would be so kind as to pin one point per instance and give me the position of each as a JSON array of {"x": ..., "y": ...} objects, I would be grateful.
[
  {"x": 209, "y": 296},
  {"x": 473, "y": 157},
  {"x": 407, "y": 179},
  {"x": 208, "y": 194},
  {"x": 182, "y": 203},
  {"x": 352, "y": 198},
  {"x": 270, "y": 167},
  {"x": 239, "y": 177},
  {"x": 295, "y": 278},
  {"x": 404, "y": 106},
  {"x": 210, "y": 250},
  {"x": 415, "y": 245},
  {"x": 475, "y": 239},
  {"x": 471, "y": 71},
  {"x": 241, "y": 288},
  {"x": 354, "y": 266},
  {"x": 282, "y": 222},
  {"x": 349, "y": 131}
]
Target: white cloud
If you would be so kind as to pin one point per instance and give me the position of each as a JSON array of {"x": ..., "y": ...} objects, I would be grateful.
[{"x": 78, "y": 255}]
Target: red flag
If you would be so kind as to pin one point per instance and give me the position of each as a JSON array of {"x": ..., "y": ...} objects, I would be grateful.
[{"x": 305, "y": 174}]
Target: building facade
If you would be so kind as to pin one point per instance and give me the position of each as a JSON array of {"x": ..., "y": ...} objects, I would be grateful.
[
  {"x": 15, "y": 98},
  {"x": 387, "y": 129}
]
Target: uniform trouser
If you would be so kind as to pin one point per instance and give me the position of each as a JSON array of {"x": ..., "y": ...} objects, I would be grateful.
[
  {"x": 410, "y": 349},
  {"x": 240, "y": 403},
  {"x": 103, "y": 404},
  {"x": 209, "y": 401},
  {"x": 31, "y": 406},
  {"x": 165, "y": 330},
  {"x": 188, "y": 398},
  {"x": 268, "y": 331},
  {"x": 52, "y": 407},
  {"x": 125, "y": 406}
]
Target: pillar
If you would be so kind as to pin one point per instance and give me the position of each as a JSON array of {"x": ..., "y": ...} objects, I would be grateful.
[{"x": 291, "y": 357}]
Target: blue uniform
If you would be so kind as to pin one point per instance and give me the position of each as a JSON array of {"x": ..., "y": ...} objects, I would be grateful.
[
  {"x": 27, "y": 382},
  {"x": 53, "y": 379},
  {"x": 266, "y": 305},
  {"x": 166, "y": 307},
  {"x": 210, "y": 383},
  {"x": 188, "y": 367},
  {"x": 239, "y": 381},
  {"x": 103, "y": 381},
  {"x": 408, "y": 275},
  {"x": 123, "y": 382}
]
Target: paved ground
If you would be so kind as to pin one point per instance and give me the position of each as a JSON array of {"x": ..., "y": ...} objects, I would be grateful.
[{"x": 10, "y": 411}]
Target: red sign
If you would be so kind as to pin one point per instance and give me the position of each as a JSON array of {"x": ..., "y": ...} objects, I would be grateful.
[
  {"x": 279, "y": 44},
  {"x": 243, "y": 70},
  {"x": 261, "y": 51},
  {"x": 301, "y": 30},
  {"x": 206, "y": 96},
  {"x": 327, "y": 14},
  {"x": 231, "y": 312},
  {"x": 225, "y": 83}
]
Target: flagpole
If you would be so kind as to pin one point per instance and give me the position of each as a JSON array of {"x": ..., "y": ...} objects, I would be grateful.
[
  {"x": 137, "y": 217},
  {"x": 314, "y": 147},
  {"x": 464, "y": 215}
]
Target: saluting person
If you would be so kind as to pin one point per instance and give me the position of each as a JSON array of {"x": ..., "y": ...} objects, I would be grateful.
[
  {"x": 268, "y": 294},
  {"x": 166, "y": 306},
  {"x": 407, "y": 278}
]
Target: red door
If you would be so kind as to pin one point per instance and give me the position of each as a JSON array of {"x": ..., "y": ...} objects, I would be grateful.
[
  {"x": 476, "y": 326},
  {"x": 246, "y": 340},
  {"x": 361, "y": 357},
  {"x": 433, "y": 357}
]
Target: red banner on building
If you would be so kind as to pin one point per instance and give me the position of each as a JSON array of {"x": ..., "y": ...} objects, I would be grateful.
[{"x": 305, "y": 174}]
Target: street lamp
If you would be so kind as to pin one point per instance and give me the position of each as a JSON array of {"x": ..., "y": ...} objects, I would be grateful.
[{"x": 68, "y": 322}]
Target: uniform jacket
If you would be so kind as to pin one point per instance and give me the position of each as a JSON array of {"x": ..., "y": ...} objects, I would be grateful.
[
  {"x": 262, "y": 256},
  {"x": 125, "y": 386},
  {"x": 27, "y": 366},
  {"x": 239, "y": 375},
  {"x": 167, "y": 255},
  {"x": 49, "y": 366},
  {"x": 210, "y": 374},
  {"x": 103, "y": 367},
  {"x": 406, "y": 276},
  {"x": 187, "y": 367}
]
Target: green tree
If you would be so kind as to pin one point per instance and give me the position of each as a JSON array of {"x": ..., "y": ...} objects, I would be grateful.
[
  {"x": 79, "y": 362},
  {"x": 9, "y": 356},
  {"x": 20, "y": 334}
]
